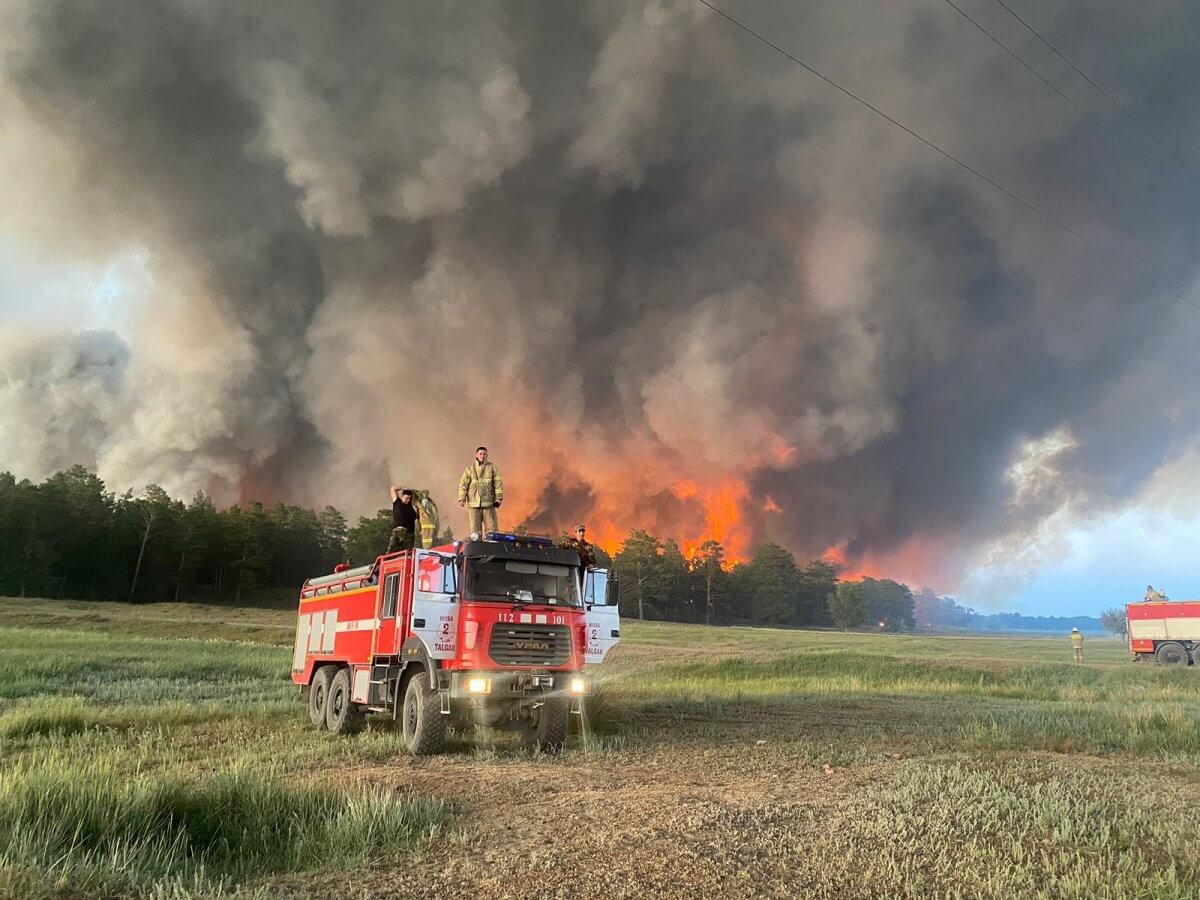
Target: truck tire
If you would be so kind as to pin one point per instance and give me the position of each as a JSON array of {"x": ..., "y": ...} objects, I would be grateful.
[
  {"x": 318, "y": 695},
  {"x": 1171, "y": 654},
  {"x": 342, "y": 715},
  {"x": 421, "y": 719},
  {"x": 549, "y": 733}
]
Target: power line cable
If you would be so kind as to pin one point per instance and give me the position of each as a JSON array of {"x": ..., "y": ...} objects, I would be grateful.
[
  {"x": 931, "y": 145},
  {"x": 1040, "y": 77},
  {"x": 1109, "y": 97}
]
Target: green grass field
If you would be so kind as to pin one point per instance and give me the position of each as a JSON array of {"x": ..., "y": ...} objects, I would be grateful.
[{"x": 161, "y": 751}]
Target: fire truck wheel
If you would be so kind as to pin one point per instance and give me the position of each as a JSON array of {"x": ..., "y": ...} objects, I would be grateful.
[
  {"x": 342, "y": 716},
  {"x": 422, "y": 722},
  {"x": 1171, "y": 654},
  {"x": 318, "y": 694},
  {"x": 550, "y": 732}
]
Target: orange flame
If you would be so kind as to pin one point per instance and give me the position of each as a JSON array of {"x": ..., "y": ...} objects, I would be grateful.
[
  {"x": 848, "y": 568},
  {"x": 606, "y": 535},
  {"x": 916, "y": 561},
  {"x": 677, "y": 498},
  {"x": 723, "y": 521},
  {"x": 782, "y": 453}
]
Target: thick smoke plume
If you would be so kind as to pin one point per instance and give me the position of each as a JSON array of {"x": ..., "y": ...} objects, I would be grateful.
[{"x": 668, "y": 278}]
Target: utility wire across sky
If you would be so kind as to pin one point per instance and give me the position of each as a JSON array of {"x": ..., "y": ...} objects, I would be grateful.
[
  {"x": 1028, "y": 204},
  {"x": 1111, "y": 99},
  {"x": 1046, "y": 81}
]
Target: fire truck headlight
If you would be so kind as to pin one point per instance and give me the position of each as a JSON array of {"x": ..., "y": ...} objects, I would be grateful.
[
  {"x": 479, "y": 685},
  {"x": 578, "y": 686}
]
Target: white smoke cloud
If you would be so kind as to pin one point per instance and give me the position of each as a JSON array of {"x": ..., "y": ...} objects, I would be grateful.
[
  {"x": 299, "y": 128},
  {"x": 60, "y": 396},
  {"x": 475, "y": 148},
  {"x": 622, "y": 122}
]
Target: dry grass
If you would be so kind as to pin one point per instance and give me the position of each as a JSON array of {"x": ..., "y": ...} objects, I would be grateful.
[{"x": 739, "y": 762}]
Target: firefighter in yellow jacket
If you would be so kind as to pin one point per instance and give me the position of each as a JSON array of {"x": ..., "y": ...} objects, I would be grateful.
[
  {"x": 481, "y": 491},
  {"x": 1077, "y": 644}
]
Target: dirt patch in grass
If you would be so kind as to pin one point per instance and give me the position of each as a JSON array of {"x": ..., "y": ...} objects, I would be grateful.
[
  {"x": 825, "y": 796},
  {"x": 772, "y": 821}
]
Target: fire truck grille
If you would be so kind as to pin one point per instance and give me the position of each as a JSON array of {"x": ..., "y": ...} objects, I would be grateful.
[{"x": 530, "y": 645}]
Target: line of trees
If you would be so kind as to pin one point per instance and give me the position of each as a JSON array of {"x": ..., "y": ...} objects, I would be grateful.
[
  {"x": 771, "y": 588},
  {"x": 71, "y": 537},
  {"x": 946, "y": 612}
]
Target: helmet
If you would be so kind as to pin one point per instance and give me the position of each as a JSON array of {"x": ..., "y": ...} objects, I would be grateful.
[{"x": 1075, "y": 628}]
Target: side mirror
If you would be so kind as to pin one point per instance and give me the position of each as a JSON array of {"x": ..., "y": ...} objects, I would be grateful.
[{"x": 612, "y": 592}]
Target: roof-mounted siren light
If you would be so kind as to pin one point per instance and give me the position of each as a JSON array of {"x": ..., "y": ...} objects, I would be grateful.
[{"x": 529, "y": 540}]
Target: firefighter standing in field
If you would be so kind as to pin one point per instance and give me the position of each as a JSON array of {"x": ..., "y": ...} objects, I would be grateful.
[
  {"x": 481, "y": 491},
  {"x": 1077, "y": 644},
  {"x": 405, "y": 516},
  {"x": 579, "y": 543}
]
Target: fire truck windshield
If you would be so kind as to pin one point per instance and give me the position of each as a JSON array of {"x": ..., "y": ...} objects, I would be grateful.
[{"x": 518, "y": 581}]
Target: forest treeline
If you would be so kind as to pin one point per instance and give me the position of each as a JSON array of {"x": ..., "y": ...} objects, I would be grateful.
[
  {"x": 770, "y": 588},
  {"x": 70, "y": 537}
]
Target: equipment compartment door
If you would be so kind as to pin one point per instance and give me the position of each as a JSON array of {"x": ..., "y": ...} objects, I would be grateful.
[
  {"x": 300, "y": 651},
  {"x": 434, "y": 608},
  {"x": 603, "y": 623}
]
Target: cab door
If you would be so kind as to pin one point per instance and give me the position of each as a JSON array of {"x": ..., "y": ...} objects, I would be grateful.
[
  {"x": 602, "y": 619},
  {"x": 391, "y": 612},
  {"x": 434, "y": 617}
]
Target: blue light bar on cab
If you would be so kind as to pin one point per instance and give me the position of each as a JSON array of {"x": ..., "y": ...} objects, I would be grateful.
[{"x": 529, "y": 540}]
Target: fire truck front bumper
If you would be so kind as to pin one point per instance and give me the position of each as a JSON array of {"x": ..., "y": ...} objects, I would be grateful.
[{"x": 518, "y": 685}]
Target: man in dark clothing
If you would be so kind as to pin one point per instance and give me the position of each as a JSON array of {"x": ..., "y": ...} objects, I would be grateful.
[
  {"x": 579, "y": 543},
  {"x": 405, "y": 516}
]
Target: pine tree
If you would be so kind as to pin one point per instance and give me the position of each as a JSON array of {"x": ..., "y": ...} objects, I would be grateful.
[
  {"x": 848, "y": 605},
  {"x": 638, "y": 568},
  {"x": 708, "y": 565},
  {"x": 773, "y": 585}
]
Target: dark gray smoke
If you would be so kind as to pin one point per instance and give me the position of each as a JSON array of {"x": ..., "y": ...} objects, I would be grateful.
[{"x": 647, "y": 260}]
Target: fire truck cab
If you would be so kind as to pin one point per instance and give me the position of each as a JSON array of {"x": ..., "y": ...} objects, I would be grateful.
[{"x": 495, "y": 631}]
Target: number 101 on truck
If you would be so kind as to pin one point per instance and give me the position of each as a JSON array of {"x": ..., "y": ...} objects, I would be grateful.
[{"x": 494, "y": 631}]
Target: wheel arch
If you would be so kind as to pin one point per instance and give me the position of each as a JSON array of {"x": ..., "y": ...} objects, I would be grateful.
[
  {"x": 414, "y": 657},
  {"x": 317, "y": 666}
]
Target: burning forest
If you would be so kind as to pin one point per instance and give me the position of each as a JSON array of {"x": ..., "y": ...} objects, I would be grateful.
[{"x": 670, "y": 280}]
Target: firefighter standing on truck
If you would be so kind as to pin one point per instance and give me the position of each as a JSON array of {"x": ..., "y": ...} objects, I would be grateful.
[
  {"x": 405, "y": 515},
  {"x": 481, "y": 491},
  {"x": 1077, "y": 644}
]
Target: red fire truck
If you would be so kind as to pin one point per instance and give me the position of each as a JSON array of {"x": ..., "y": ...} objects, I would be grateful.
[
  {"x": 495, "y": 630},
  {"x": 1167, "y": 630}
]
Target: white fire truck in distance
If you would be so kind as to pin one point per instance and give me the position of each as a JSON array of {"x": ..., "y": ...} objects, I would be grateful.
[{"x": 495, "y": 630}]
